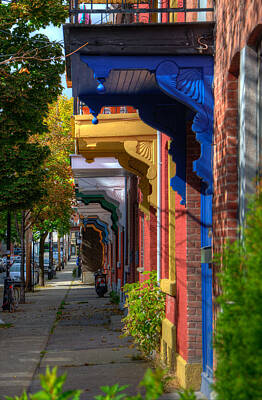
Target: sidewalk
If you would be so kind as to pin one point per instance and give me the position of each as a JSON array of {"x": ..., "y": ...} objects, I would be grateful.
[{"x": 83, "y": 340}]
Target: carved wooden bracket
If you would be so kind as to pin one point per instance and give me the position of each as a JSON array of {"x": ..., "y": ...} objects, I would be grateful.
[{"x": 128, "y": 139}]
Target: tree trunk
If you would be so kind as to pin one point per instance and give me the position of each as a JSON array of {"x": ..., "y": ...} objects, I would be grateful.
[
  {"x": 28, "y": 247},
  {"x": 59, "y": 254},
  {"x": 63, "y": 244},
  {"x": 41, "y": 258},
  {"x": 22, "y": 268},
  {"x": 51, "y": 250}
]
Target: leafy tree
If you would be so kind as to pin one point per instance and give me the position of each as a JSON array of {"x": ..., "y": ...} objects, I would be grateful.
[
  {"x": 58, "y": 136},
  {"x": 238, "y": 338},
  {"x": 30, "y": 69},
  {"x": 27, "y": 85},
  {"x": 21, "y": 175},
  {"x": 15, "y": 238},
  {"x": 54, "y": 210},
  {"x": 30, "y": 66}
]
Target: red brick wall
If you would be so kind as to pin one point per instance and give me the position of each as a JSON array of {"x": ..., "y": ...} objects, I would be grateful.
[
  {"x": 181, "y": 277},
  {"x": 237, "y": 26},
  {"x": 194, "y": 295},
  {"x": 150, "y": 243},
  {"x": 188, "y": 308},
  {"x": 153, "y": 240}
]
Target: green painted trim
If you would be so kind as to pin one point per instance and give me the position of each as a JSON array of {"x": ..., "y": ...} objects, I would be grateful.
[{"x": 106, "y": 205}]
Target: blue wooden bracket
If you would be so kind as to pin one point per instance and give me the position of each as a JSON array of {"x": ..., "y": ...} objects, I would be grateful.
[
  {"x": 180, "y": 81},
  {"x": 192, "y": 86}
]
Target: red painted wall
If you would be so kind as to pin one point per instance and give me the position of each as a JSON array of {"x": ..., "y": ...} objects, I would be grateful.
[
  {"x": 181, "y": 277},
  {"x": 188, "y": 307},
  {"x": 171, "y": 309},
  {"x": 164, "y": 207}
]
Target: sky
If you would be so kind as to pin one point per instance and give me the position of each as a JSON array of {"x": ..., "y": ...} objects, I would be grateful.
[{"x": 55, "y": 33}]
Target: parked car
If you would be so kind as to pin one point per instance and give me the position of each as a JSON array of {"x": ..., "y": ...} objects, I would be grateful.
[{"x": 15, "y": 273}]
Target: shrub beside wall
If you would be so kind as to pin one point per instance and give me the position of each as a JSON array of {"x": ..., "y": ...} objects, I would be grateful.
[{"x": 238, "y": 339}]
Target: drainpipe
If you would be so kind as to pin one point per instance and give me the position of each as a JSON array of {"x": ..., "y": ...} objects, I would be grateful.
[{"x": 159, "y": 164}]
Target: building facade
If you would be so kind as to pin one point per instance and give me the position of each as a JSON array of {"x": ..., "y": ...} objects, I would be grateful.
[{"x": 188, "y": 136}]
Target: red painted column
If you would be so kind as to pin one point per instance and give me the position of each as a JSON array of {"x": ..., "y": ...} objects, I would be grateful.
[
  {"x": 181, "y": 277},
  {"x": 164, "y": 208}
]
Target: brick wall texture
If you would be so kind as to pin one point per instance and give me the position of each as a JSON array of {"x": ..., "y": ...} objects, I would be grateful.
[
  {"x": 188, "y": 310},
  {"x": 194, "y": 295},
  {"x": 238, "y": 24}
]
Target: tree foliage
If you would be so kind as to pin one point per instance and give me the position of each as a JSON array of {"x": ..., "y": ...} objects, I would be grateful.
[
  {"x": 238, "y": 339},
  {"x": 15, "y": 238},
  {"x": 21, "y": 175},
  {"x": 54, "y": 210},
  {"x": 27, "y": 84},
  {"x": 30, "y": 69}
]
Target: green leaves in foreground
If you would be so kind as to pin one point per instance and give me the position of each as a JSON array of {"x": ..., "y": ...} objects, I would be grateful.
[
  {"x": 52, "y": 388},
  {"x": 187, "y": 394},
  {"x": 153, "y": 382}
]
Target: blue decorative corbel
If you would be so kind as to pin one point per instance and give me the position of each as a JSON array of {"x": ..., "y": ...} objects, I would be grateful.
[
  {"x": 192, "y": 86},
  {"x": 181, "y": 89}
]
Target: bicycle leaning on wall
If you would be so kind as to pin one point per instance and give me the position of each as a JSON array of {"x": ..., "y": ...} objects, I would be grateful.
[{"x": 11, "y": 291}]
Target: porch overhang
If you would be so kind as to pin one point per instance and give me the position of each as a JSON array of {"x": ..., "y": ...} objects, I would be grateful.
[
  {"x": 103, "y": 167},
  {"x": 129, "y": 140},
  {"x": 95, "y": 222},
  {"x": 110, "y": 206},
  {"x": 165, "y": 71}
]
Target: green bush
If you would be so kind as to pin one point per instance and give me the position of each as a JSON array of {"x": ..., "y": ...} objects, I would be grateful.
[
  {"x": 146, "y": 310},
  {"x": 238, "y": 338},
  {"x": 114, "y": 297}
]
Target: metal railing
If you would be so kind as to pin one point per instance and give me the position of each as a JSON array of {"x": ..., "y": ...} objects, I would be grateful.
[{"x": 139, "y": 11}]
